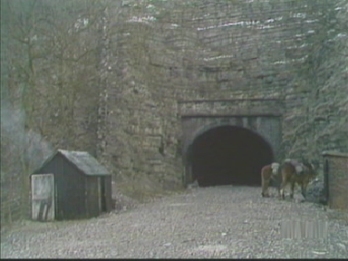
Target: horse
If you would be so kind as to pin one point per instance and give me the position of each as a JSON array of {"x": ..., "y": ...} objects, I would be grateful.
[
  {"x": 292, "y": 171},
  {"x": 268, "y": 173}
]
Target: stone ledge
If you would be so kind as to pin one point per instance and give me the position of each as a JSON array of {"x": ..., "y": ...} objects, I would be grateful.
[
  {"x": 334, "y": 153},
  {"x": 237, "y": 107}
]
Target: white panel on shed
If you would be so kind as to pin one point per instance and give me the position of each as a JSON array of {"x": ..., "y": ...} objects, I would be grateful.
[{"x": 42, "y": 191}]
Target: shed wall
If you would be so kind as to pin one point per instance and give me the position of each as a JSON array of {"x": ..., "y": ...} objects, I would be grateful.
[
  {"x": 92, "y": 196},
  {"x": 337, "y": 168},
  {"x": 108, "y": 193},
  {"x": 70, "y": 188}
]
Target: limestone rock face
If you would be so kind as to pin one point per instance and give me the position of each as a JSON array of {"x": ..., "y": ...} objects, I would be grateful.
[{"x": 291, "y": 51}]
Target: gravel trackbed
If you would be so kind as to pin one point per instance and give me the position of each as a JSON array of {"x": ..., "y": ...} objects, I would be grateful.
[{"x": 212, "y": 222}]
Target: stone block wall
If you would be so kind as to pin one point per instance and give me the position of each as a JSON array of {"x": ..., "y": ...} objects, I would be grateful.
[{"x": 163, "y": 52}]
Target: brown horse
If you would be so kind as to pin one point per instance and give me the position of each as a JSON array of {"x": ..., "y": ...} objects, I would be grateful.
[
  {"x": 293, "y": 172},
  {"x": 268, "y": 173}
]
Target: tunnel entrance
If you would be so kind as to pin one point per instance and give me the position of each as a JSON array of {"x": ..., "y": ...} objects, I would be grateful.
[{"x": 228, "y": 155}]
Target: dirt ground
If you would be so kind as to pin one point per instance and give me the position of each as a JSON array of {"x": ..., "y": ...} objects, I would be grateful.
[{"x": 213, "y": 222}]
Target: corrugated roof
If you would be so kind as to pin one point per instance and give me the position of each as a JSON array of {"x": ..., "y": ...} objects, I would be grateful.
[{"x": 85, "y": 162}]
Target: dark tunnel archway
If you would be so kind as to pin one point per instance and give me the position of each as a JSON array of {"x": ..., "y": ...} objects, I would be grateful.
[{"x": 229, "y": 155}]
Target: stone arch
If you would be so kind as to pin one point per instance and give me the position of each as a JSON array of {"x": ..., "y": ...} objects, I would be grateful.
[{"x": 222, "y": 153}]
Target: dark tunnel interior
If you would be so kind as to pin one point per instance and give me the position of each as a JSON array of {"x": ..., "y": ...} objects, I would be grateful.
[{"x": 229, "y": 155}]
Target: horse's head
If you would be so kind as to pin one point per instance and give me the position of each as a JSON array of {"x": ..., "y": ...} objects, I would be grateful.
[
  {"x": 275, "y": 168},
  {"x": 312, "y": 167}
]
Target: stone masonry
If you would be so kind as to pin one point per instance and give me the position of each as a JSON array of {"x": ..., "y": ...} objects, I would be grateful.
[{"x": 163, "y": 59}]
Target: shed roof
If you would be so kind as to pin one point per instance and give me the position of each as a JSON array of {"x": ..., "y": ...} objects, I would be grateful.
[{"x": 84, "y": 161}]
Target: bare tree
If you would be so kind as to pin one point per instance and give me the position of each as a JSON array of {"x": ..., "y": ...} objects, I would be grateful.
[{"x": 50, "y": 49}]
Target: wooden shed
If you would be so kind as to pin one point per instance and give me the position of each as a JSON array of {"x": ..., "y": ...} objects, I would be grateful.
[
  {"x": 336, "y": 179},
  {"x": 70, "y": 185}
]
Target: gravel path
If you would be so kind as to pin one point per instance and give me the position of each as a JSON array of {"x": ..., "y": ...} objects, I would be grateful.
[{"x": 213, "y": 222}]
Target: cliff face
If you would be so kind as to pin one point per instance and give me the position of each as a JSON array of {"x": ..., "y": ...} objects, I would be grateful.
[{"x": 163, "y": 52}]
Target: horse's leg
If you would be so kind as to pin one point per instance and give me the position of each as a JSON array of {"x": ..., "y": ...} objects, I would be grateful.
[
  {"x": 292, "y": 189},
  {"x": 282, "y": 186},
  {"x": 265, "y": 185},
  {"x": 280, "y": 190},
  {"x": 262, "y": 185},
  {"x": 304, "y": 189}
]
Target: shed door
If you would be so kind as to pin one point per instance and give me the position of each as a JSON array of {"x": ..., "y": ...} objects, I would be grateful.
[{"x": 42, "y": 187}]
